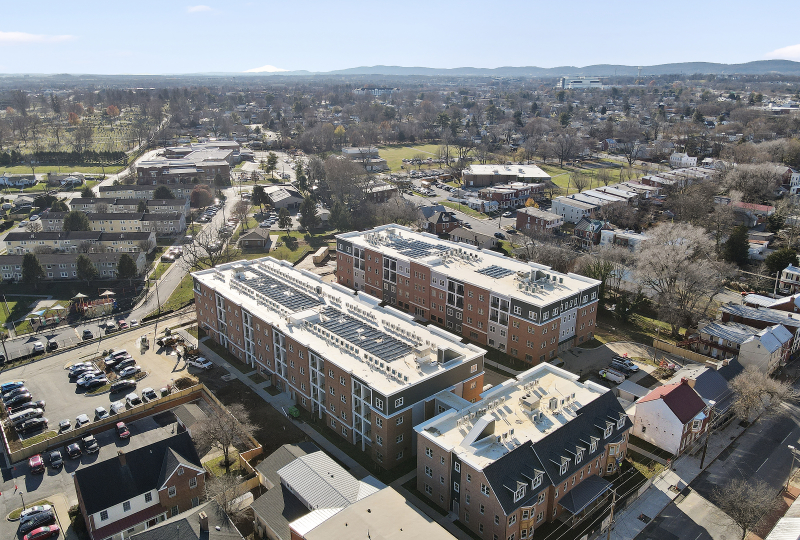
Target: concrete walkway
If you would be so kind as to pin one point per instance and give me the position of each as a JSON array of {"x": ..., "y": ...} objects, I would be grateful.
[
  {"x": 282, "y": 402},
  {"x": 667, "y": 484}
]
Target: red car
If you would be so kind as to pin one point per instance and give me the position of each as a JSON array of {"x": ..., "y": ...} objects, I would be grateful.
[
  {"x": 48, "y": 531},
  {"x": 36, "y": 464},
  {"x": 122, "y": 430},
  {"x": 123, "y": 324}
]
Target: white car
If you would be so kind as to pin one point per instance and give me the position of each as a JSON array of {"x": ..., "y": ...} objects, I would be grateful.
[
  {"x": 133, "y": 400},
  {"x": 133, "y": 322},
  {"x": 38, "y": 347},
  {"x": 22, "y": 223},
  {"x": 200, "y": 362},
  {"x": 129, "y": 371},
  {"x": 117, "y": 407}
]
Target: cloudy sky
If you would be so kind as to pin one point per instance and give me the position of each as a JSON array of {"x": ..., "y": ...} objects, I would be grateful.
[{"x": 168, "y": 36}]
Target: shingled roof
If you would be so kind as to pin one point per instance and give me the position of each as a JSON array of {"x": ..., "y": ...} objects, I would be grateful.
[{"x": 681, "y": 398}]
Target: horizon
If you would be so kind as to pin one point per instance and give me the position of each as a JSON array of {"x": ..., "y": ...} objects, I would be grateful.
[{"x": 61, "y": 39}]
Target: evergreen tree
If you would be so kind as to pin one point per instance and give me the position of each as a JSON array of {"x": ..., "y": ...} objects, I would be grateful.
[
  {"x": 736, "y": 247},
  {"x": 32, "y": 271},
  {"x": 126, "y": 267},
  {"x": 163, "y": 192},
  {"x": 284, "y": 220},
  {"x": 85, "y": 268},
  {"x": 87, "y": 193},
  {"x": 340, "y": 217},
  {"x": 142, "y": 207},
  {"x": 77, "y": 221},
  {"x": 780, "y": 259},
  {"x": 309, "y": 218}
]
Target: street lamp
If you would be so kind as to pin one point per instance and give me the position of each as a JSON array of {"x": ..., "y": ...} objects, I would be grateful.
[
  {"x": 793, "y": 450},
  {"x": 23, "y": 501},
  {"x": 708, "y": 432}
]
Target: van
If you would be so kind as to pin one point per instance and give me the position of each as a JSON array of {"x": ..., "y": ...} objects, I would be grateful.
[
  {"x": 188, "y": 239},
  {"x": 623, "y": 364},
  {"x": 611, "y": 375},
  {"x": 20, "y": 417}
]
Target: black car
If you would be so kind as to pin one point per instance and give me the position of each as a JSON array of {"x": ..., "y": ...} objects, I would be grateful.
[
  {"x": 90, "y": 444},
  {"x": 80, "y": 370},
  {"x": 31, "y": 405},
  {"x": 2, "y": 359},
  {"x": 125, "y": 363},
  {"x": 500, "y": 235},
  {"x": 87, "y": 334},
  {"x": 95, "y": 383},
  {"x": 74, "y": 451},
  {"x": 37, "y": 520},
  {"x": 18, "y": 400},
  {"x": 56, "y": 461},
  {"x": 52, "y": 345},
  {"x": 123, "y": 385},
  {"x": 34, "y": 424},
  {"x": 13, "y": 393},
  {"x": 113, "y": 362}
]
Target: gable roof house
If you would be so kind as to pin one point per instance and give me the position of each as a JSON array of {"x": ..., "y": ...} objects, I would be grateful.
[
  {"x": 206, "y": 522},
  {"x": 140, "y": 489},
  {"x": 672, "y": 416},
  {"x": 533, "y": 450},
  {"x": 767, "y": 349}
]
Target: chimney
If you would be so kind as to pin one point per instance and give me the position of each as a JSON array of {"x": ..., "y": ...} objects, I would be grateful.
[
  {"x": 203, "y": 517},
  {"x": 684, "y": 380},
  {"x": 121, "y": 455}
]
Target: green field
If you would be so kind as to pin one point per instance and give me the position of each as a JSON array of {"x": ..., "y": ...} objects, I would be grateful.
[
  {"x": 394, "y": 155},
  {"x": 15, "y": 308},
  {"x": 24, "y": 169},
  {"x": 463, "y": 208}
]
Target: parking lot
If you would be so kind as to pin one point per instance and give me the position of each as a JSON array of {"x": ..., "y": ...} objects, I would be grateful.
[{"x": 48, "y": 379}]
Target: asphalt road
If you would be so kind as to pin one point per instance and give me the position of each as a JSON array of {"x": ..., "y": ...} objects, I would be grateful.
[{"x": 760, "y": 454}]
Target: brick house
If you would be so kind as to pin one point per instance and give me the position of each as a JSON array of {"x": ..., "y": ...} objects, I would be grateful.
[
  {"x": 533, "y": 450},
  {"x": 442, "y": 222},
  {"x": 531, "y": 219},
  {"x": 137, "y": 490},
  {"x": 587, "y": 232}
]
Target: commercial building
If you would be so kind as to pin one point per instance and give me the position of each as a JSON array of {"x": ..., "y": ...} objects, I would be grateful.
[
  {"x": 369, "y": 372},
  {"x": 579, "y": 83},
  {"x": 137, "y": 490},
  {"x": 524, "y": 309},
  {"x": 487, "y": 175},
  {"x": 198, "y": 163},
  {"x": 533, "y": 450}
]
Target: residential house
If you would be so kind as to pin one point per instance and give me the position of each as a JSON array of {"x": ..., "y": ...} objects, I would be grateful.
[
  {"x": 794, "y": 182},
  {"x": 721, "y": 339},
  {"x": 139, "y": 489},
  {"x": 205, "y": 522},
  {"x": 284, "y": 196},
  {"x": 255, "y": 238},
  {"x": 307, "y": 484},
  {"x": 672, "y": 417},
  {"x": 782, "y": 303},
  {"x": 19, "y": 181},
  {"x": 680, "y": 160},
  {"x": 572, "y": 210},
  {"x": 512, "y": 194},
  {"x": 536, "y": 220},
  {"x": 767, "y": 350},
  {"x": 473, "y": 238},
  {"x": 442, "y": 222},
  {"x": 587, "y": 232},
  {"x": 379, "y": 192},
  {"x": 790, "y": 279},
  {"x": 533, "y": 450},
  {"x": 712, "y": 385},
  {"x": 267, "y": 469},
  {"x": 629, "y": 239},
  {"x": 761, "y": 318},
  {"x": 752, "y": 214},
  {"x": 63, "y": 266}
]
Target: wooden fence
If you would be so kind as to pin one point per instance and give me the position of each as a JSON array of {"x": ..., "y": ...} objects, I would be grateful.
[{"x": 680, "y": 351}]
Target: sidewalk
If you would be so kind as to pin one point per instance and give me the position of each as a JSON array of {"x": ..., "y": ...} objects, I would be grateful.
[
  {"x": 659, "y": 495},
  {"x": 280, "y": 403}
]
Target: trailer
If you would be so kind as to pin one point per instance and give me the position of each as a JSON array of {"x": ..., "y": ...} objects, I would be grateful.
[{"x": 321, "y": 254}]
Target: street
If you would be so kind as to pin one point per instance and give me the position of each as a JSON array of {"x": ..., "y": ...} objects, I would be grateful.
[{"x": 760, "y": 454}]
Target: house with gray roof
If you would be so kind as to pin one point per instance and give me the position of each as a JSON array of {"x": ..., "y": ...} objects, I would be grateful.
[{"x": 205, "y": 522}]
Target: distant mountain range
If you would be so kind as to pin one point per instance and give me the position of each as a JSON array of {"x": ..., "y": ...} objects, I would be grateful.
[{"x": 759, "y": 67}]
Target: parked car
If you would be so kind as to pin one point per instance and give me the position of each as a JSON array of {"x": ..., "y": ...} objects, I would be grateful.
[
  {"x": 122, "y": 430},
  {"x": 120, "y": 386},
  {"x": 125, "y": 362},
  {"x": 100, "y": 413},
  {"x": 52, "y": 345},
  {"x": 80, "y": 367},
  {"x": 148, "y": 394},
  {"x": 64, "y": 425},
  {"x": 48, "y": 531},
  {"x": 81, "y": 419},
  {"x": 18, "y": 400},
  {"x": 74, "y": 451},
  {"x": 38, "y": 347},
  {"x": 129, "y": 371},
  {"x": 117, "y": 407},
  {"x": 87, "y": 334},
  {"x": 37, "y": 521},
  {"x": 507, "y": 214},
  {"x": 134, "y": 323},
  {"x": 56, "y": 461},
  {"x": 2, "y": 359},
  {"x": 36, "y": 464},
  {"x": 113, "y": 362},
  {"x": 625, "y": 364},
  {"x": 29, "y": 405},
  {"x": 34, "y": 424},
  {"x": 91, "y": 375},
  {"x": 14, "y": 393},
  {"x": 167, "y": 258},
  {"x": 123, "y": 324},
  {"x": 9, "y": 386},
  {"x": 111, "y": 327},
  {"x": 90, "y": 444},
  {"x": 133, "y": 400},
  {"x": 500, "y": 235},
  {"x": 95, "y": 383},
  {"x": 200, "y": 362},
  {"x": 26, "y": 514}
]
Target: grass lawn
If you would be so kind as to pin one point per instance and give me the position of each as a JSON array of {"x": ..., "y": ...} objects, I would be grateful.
[
  {"x": 464, "y": 209},
  {"x": 394, "y": 155},
  {"x": 216, "y": 466},
  {"x": 160, "y": 269},
  {"x": 24, "y": 169},
  {"x": 38, "y": 438},
  {"x": 15, "y": 307},
  {"x": 257, "y": 378},
  {"x": 41, "y": 502},
  {"x": 646, "y": 466},
  {"x": 181, "y": 296}
]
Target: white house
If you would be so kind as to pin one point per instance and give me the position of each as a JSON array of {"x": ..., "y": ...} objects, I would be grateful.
[
  {"x": 680, "y": 160},
  {"x": 571, "y": 209},
  {"x": 794, "y": 182},
  {"x": 790, "y": 279},
  {"x": 767, "y": 349},
  {"x": 671, "y": 417},
  {"x": 628, "y": 239}
]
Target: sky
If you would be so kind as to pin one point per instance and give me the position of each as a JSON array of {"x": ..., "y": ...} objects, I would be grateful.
[{"x": 168, "y": 36}]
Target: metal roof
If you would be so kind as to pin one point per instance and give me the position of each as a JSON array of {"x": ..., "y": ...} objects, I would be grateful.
[{"x": 730, "y": 331}]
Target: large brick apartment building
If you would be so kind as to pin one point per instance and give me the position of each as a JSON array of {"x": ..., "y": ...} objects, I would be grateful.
[
  {"x": 368, "y": 372},
  {"x": 533, "y": 450},
  {"x": 524, "y": 309}
]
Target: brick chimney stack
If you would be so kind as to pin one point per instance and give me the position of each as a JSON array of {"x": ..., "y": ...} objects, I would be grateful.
[
  {"x": 203, "y": 521},
  {"x": 121, "y": 455}
]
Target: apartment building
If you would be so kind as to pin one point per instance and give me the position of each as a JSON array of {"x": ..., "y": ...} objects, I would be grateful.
[
  {"x": 511, "y": 195},
  {"x": 524, "y": 309},
  {"x": 63, "y": 266},
  {"x": 369, "y": 372},
  {"x": 20, "y": 243},
  {"x": 531, "y": 219},
  {"x": 134, "y": 191},
  {"x": 162, "y": 224},
  {"x": 533, "y": 450},
  {"x": 487, "y": 175},
  {"x": 129, "y": 205}
]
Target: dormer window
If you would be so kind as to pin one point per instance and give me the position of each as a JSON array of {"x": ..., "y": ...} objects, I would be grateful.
[
  {"x": 519, "y": 494},
  {"x": 579, "y": 456},
  {"x": 621, "y": 421},
  {"x": 537, "y": 481},
  {"x": 564, "y": 466},
  {"x": 593, "y": 446},
  {"x": 607, "y": 432}
]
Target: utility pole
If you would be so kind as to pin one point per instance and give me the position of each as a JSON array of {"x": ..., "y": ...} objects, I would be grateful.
[
  {"x": 793, "y": 450},
  {"x": 611, "y": 516},
  {"x": 708, "y": 432}
]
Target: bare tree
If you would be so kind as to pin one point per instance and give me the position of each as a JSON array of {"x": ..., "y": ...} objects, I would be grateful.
[
  {"x": 565, "y": 145},
  {"x": 628, "y": 144},
  {"x": 579, "y": 180},
  {"x": 603, "y": 176},
  {"x": 222, "y": 429},
  {"x": 209, "y": 248},
  {"x": 33, "y": 226},
  {"x": 746, "y": 502},
  {"x": 759, "y": 395},
  {"x": 225, "y": 490},
  {"x": 241, "y": 210},
  {"x": 756, "y": 183},
  {"x": 545, "y": 248}
]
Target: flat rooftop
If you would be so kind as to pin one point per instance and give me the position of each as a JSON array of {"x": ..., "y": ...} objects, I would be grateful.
[
  {"x": 532, "y": 283},
  {"x": 522, "y": 171},
  {"x": 380, "y": 345},
  {"x": 527, "y": 408}
]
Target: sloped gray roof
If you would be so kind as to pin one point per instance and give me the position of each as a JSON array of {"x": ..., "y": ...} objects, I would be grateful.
[
  {"x": 320, "y": 481},
  {"x": 186, "y": 526},
  {"x": 281, "y": 457}
]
